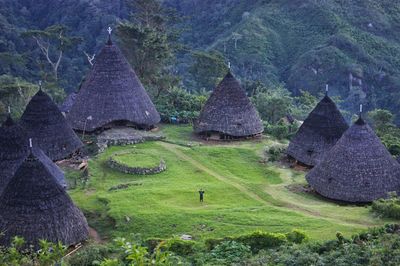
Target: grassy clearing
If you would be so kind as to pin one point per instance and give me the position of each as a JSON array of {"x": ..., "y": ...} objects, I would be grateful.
[
  {"x": 134, "y": 157},
  {"x": 243, "y": 194}
]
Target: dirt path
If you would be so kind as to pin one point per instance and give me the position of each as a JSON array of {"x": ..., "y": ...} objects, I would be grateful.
[
  {"x": 95, "y": 236},
  {"x": 286, "y": 179}
]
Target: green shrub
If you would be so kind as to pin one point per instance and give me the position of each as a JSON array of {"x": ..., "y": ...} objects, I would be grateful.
[
  {"x": 280, "y": 130},
  {"x": 262, "y": 240},
  {"x": 389, "y": 208},
  {"x": 89, "y": 255},
  {"x": 275, "y": 152},
  {"x": 229, "y": 252},
  {"x": 296, "y": 236},
  {"x": 211, "y": 243},
  {"x": 256, "y": 241},
  {"x": 152, "y": 243},
  {"x": 180, "y": 247}
]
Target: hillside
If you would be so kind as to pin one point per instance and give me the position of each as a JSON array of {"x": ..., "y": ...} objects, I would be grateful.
[
  {"x": 306, "y": 44},
  {"x": 352, "y": 45}
]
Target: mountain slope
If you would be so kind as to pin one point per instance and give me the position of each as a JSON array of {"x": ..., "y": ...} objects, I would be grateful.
[{"x": 306, "y": 44}]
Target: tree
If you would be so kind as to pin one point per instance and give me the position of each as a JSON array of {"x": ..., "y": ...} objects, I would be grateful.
[
  {"x": 382, "y": 121},
  {"x": 273, "y": 104},
  {"x": 150, "y": 43},
  {"x": 304, "y": 104},
  {"x": 208, "y": 69},
  {"x": 53, "y": 42},
  {"x": 381, "y": 118},
  {"x": 15, "y": 93}
]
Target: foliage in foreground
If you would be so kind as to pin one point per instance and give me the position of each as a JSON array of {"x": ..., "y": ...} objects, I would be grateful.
[
  {"x": 19, "y": 254},
  {"x": 377, "y": 246}
]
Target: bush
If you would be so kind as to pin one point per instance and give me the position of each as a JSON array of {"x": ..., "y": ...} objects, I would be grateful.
[
  {"x": 281, "y": 130},
  {"x": 152, "y": 243},
  {"x": 229, "y": 252},
  {"x": 262, "y": 240},
  {"x": 89, "y": 255},
  {"x": 256, "y": 241},
  {"x": 296, "y": 236},
  {"x": 180, "y": 247},
  {"x": 389, "y": 208},
  {"x": 276, "y": 152}
]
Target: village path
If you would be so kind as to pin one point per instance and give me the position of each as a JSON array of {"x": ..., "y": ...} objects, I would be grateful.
[{"x": 175, "y": 149}]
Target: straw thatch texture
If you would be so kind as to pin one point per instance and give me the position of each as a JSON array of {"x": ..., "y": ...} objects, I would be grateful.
[
  {"x": 320, "y": 131},
  {"x": 229, "y": 111},
  {"x": 357, "y": 169},
  {"x": 44, "y": 123},
  {"x": 112, "y": 93},
  {"x": 14, "y": 148},
  {"x": 67, "y": 104},
  {"x": 34, "y": 206}
]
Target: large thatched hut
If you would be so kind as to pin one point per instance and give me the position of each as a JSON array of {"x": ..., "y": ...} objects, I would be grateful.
[
  {"x": 45, "y": 124},
  {"x": 34, "y": 206},
  {"x": 112, "y": 95},
  {"x": 14, "y": 148},
  {"x": 228, "y": 113},
  {"x": 319, "y": 132},
  {"x": 357, "y": 169}
]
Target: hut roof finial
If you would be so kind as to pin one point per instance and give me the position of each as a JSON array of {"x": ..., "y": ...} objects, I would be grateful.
[
  {"x": 361, "y": 109},
  {"x": 326, "y": 89},
  {"x": 9, "y": 110},
  {"x": 229, "y": 65},
  {"x": 40, "y": 85},
  {"x": 109, "y": 42},
  {"x": 30, "y": 143}
]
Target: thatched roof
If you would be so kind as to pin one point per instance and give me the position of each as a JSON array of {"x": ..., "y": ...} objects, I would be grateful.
[
  {"x": 44, "y": 123},
  {"x": 34, "y": 206},
  {"x": 229, "y": 111},
  {"x": 112, "y": 92},
  {"x": 320, "y": 131},
  {"x": 357, "y": 169},
  {"x": 68, "y": 102},
  {"x": 14, "y": 148}
]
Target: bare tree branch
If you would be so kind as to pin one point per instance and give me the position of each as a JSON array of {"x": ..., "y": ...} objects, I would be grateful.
[{"x": 89, "y": 58}]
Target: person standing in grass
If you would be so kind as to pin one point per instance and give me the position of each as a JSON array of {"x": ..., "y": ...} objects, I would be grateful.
[{"x": 201, "y": 193}]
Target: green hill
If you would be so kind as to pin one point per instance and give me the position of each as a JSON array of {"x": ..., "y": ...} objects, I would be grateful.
[
  {"x": 352, "y": 45},
  {"x": 306, "y": 44}
]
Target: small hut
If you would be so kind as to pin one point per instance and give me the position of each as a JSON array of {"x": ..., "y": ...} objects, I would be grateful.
[
  {"x": 112, "y": 95},
  {"x": 319, "y": 132},
  {"x": 14, "y": 148},
  {"x": 357, "y": 169},
  {"x": 228, "y": 113},
  {"x": 44, "y": 123},
  {"x": 34, "y": 206}
]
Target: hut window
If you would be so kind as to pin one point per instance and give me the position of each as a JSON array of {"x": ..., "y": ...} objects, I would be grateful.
[
  {"x": 310, "y": 152},
  {"x": 239, "y": 124}
]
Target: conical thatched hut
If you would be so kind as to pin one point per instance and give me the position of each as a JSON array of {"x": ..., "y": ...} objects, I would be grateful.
[
  {"x": 320, "y": 131},
  {"x": 34, "y": 206},
  {"x": 357, "y": 169},
  {"x": 112, "y": 95},
  {"x": 44, "y": 123},
  {"x": 229, "y": 112},
  {"x": 14, "y": 148}
]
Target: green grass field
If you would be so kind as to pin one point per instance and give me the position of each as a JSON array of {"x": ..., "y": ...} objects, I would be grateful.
[{"x": 243, "y": 193}]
